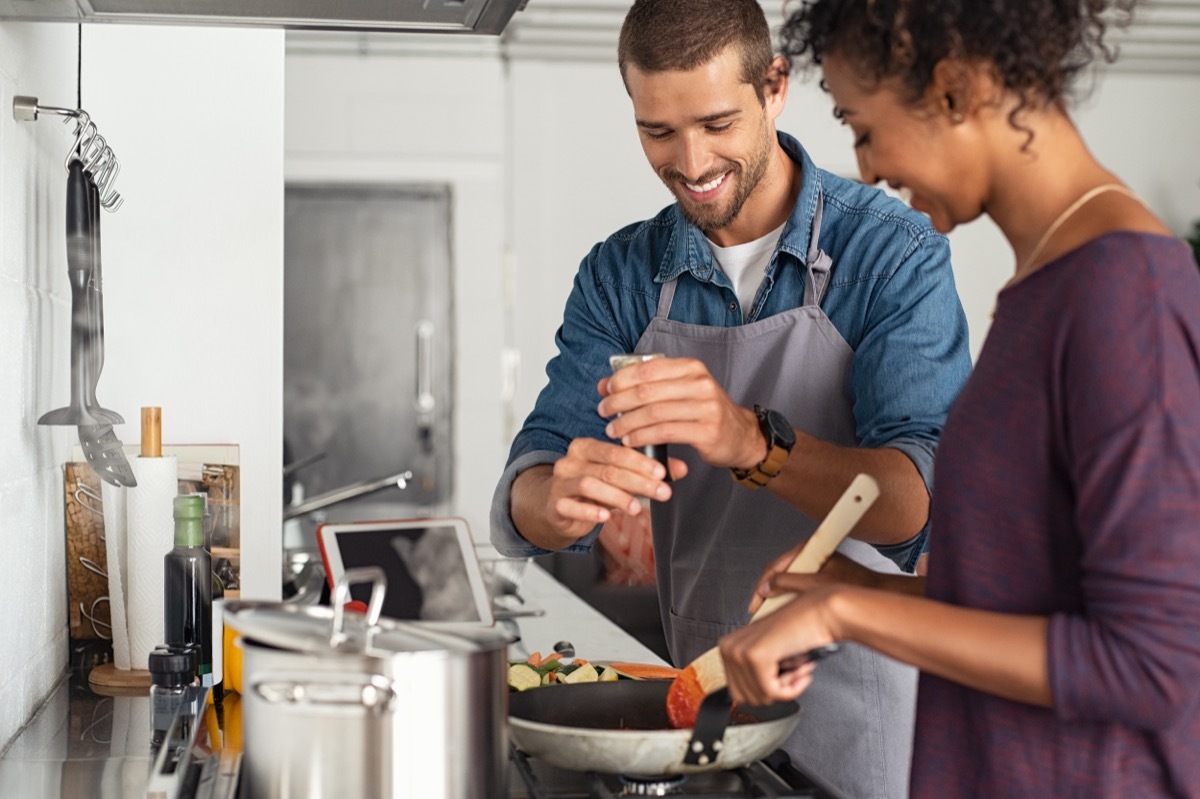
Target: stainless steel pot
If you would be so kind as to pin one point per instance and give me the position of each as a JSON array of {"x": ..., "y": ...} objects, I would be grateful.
[{"x": 337, "y": 706}]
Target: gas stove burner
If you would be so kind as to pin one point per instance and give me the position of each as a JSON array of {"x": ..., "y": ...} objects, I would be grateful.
[{"x": 651, "y": 786}]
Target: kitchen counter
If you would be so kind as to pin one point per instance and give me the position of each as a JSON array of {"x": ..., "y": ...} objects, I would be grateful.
[
  {"x": 569, "y": 618},
  {"x": 82, "y": 745}
]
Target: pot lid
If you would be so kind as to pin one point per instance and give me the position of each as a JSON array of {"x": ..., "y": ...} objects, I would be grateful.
[
  {"x": 310, "y": 629},
  {"x": 320, "y": 630}
]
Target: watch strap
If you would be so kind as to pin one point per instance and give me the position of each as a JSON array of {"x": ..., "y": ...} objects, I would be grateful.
[{"x": 759, "y": 475}]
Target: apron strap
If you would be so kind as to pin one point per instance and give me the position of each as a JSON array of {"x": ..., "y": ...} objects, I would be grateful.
[
  {"x": 665, "y": 298},
  {"x": 816, "y": 279}
]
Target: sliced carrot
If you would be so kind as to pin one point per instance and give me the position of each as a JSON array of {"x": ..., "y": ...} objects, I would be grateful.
[
  {"x": 535, "y": 659},
  {"x": 684, "y": 698},
  {"x": 645, "y": 671}
]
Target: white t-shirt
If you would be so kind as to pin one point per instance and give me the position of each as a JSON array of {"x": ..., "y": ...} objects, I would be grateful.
[{"x": 745, "y": 265}]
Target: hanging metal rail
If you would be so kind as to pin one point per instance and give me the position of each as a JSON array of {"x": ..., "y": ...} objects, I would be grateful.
[{"x": 90, "y": 147}]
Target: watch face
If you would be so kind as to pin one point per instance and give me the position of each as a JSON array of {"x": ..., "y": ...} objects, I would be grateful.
[{"x": 781, "y": 428}]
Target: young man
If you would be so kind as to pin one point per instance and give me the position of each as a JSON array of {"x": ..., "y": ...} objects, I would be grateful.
[{"x": 812, "y": 331}]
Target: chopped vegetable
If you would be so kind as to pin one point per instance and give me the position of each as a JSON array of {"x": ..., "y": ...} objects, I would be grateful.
[
  {"x": 551, "y": 663},
  {"x": 644, "y": 671},
  {"x": 584, "y": 673},
  {"x": 537, "y": 670},
  {"x": 522, "y": 676}
]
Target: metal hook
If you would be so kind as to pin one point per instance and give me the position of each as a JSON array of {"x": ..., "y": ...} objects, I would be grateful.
[
  {"x": 93, "y": 567},
  {"x": 96, "y": 623},
  {"x": 102, "y": 164},
  {"x": 86, "y": 491},
  {"x": 97, "y": 156},
  {"x": 90, "y": 147},
  {"x": 100, "y": 168},
  {"x": 110, "y": 198},
  {"x": 85, "y": 131},
  {"x": 93, "y": 152}
]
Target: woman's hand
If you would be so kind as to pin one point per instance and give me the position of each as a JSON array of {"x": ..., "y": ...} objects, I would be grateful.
[
  {"x": 838, "y": 569},
  {"x": 752, "y": 654}
]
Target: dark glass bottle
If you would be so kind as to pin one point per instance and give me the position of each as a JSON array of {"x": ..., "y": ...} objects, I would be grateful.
[
  {"x": 171, "y": 672},
  {"x": 188, "y": 579}
]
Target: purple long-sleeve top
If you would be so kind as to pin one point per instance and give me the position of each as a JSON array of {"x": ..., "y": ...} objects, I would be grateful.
[{"x": 1068, "y": 486}]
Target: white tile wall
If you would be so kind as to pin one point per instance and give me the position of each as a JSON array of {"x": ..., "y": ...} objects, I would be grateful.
[{"x": 35, "y": 59}]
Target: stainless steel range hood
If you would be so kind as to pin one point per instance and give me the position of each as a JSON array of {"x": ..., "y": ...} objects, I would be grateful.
[{"x": 413, "y": 16}]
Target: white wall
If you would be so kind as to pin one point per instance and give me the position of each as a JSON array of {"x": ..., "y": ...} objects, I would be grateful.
[
  {"x": 193, "y": 265},
  {"x": 391, "y": 120},
  {"x": 579, "y": 174},
  {"x": 193, "y": 261}
]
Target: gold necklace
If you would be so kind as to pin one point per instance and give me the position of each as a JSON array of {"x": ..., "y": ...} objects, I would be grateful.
[{"x": 1025, "y": 270}]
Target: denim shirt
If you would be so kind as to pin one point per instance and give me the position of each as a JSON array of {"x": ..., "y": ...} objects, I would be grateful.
[{"x": 891, "y": 296}]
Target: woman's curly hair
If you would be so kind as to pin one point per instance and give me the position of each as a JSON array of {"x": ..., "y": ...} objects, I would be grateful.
[{"x": 1036, "y": 48}]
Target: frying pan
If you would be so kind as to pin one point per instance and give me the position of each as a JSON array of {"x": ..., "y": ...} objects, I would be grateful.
[{"x": 622, "y": 728}]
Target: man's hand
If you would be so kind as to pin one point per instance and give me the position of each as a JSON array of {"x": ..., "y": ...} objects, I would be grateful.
[
  {"x": 677, "y": 401},
  {"x": 553, "y": 507}
]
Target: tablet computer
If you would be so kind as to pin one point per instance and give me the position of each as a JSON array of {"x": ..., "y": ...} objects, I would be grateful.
[{"x": 432, "y": 572}]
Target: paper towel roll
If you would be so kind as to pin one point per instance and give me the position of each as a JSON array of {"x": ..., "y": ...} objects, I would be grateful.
[
  {"x": 115, "y": 538},
  {"x": 150, "y": 536}
]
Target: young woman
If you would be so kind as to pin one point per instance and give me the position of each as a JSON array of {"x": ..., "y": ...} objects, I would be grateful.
[{"x": 1058, "y": 630}]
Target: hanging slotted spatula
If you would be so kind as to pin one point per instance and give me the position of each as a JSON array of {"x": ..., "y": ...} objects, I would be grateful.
[
  {"x": 103, "y": 450},
  {"x": 706, "y": 674}
]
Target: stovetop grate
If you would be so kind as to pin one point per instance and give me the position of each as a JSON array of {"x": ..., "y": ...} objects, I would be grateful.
[{"x": 774, "y": 777}]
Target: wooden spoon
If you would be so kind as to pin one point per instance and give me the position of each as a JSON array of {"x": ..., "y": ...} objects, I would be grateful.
[{"x": 706, "y": 673}]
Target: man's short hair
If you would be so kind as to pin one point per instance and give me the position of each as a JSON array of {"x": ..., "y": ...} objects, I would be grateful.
[{"x": 668, "y": 35}]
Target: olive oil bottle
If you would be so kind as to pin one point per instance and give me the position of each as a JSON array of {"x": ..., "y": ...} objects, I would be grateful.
[{"x": 188, "y": 579}]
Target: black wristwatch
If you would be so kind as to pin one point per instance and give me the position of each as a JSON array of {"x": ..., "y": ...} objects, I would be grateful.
[{"x": 780, "y": 439}]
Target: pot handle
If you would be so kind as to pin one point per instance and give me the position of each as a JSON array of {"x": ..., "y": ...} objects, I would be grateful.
[
  {"x": 377, "y": 695},
  {"x": 341, "y": 595}
]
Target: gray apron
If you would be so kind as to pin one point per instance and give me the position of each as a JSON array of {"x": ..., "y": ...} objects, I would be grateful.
[{"x": 714, "y": 537}]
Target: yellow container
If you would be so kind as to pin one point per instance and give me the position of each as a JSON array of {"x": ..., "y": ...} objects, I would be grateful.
[{"x": 232, "y": 653}]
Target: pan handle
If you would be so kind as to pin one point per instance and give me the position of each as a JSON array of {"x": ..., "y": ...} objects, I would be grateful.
[{"x": 341, "y": 595}]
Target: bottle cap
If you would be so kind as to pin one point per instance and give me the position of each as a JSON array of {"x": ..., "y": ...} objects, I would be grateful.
[
  {"x": 189, "y": 520},
  {"x": 172, "y": 668}
]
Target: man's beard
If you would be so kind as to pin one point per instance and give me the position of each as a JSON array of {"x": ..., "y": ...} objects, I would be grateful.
[{"x": 707, "y": 216}]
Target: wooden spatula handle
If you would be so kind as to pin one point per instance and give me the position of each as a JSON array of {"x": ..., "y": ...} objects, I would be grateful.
[{"x": 846, "y": 512}]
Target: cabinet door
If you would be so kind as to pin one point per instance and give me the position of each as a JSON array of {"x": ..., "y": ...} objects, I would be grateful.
[{"x": 367, "y": 343}]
